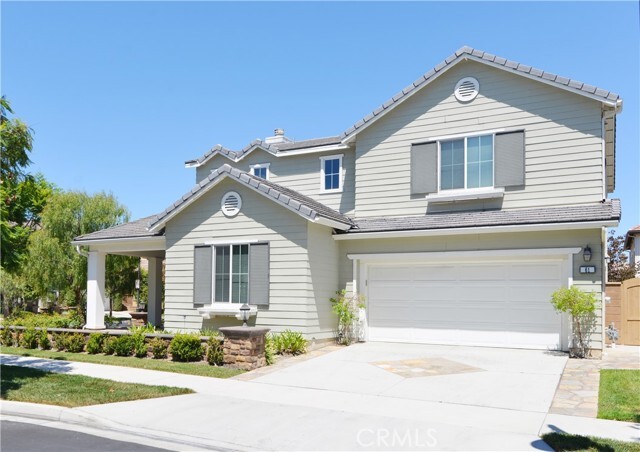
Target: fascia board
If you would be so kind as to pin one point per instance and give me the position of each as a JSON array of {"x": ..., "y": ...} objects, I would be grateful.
[{"x": 476, "y": 230}]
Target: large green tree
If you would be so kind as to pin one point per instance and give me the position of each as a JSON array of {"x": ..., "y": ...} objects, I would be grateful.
[
  {"x": 22, "y": 195},
  {"x": 53, "y": 264}
]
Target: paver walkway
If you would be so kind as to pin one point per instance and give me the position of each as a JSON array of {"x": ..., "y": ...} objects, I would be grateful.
[{"x": 577, "y": 393}]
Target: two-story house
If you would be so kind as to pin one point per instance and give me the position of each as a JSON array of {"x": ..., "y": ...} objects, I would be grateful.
[{"x": 456, "y": 208}]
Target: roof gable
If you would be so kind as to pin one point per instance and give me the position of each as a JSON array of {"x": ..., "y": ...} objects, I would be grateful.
[
  {"x": 298, "y": 203},
  {"x": 469, "y": 54}
]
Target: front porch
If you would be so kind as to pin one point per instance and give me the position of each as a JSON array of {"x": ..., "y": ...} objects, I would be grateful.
[{"x": 130, "y": 239}]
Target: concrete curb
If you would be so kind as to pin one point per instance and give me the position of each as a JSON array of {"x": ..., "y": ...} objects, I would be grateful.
[{"x": 74, "y": 416}]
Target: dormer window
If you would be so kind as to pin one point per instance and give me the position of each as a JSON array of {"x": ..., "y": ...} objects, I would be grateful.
[
  {"x": 331, "y": 174},
  {"x": 261, "y": 170}
]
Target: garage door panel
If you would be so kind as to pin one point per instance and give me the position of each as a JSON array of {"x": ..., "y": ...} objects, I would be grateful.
[
  {"x": 530, "y": 293},
  {"x": 477, "y": 272},
  {"x": 474, "y": 303},
  {"x": 535, "y": 271},
  {"x": 434, "y": 273}
]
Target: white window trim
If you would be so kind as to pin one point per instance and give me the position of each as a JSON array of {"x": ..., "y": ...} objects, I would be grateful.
[
  {"x": 213, "y": 273},
  {"x": 340, "y": 176},
  {"x": 262, "y": 165},
  {"x": 465, "y": 190}
]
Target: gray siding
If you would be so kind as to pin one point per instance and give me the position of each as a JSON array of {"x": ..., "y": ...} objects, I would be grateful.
[
  {"x": 562, "y": 137},
  {"x": 534, "y": 240},
  {"x": 259, "y": 219},
  {"x": 323, "y": 258},
  {"x": 299, "y": 172}
]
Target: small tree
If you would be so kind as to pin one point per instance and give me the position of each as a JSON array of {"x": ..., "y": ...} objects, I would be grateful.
[
  {"x": 347, "y": 306},
  {"x": 581, "y": 306},
  {"x": 618, "y": 268}
]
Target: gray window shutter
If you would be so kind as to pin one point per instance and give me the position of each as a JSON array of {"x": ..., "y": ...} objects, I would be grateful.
[
  {"x": 424, "y": 168},
  {"x": 509, "y": 159},
  {"x": 259, "y": 274},
  {"x": 202, "y": 275}
]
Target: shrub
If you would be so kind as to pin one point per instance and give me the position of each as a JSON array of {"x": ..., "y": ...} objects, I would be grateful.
[
  {"x": 186, "y": 347},
  {"x": 123, "y": 345},
  {"x": 108, "y": 345},
  {"x": 43, "y": 339},
  {"x": 148, "y": 328},
  {"x": 29, "y": 338},
  {"x": 159, "y": 348},
  {"x": 140, "y": 348},
  {"x": 6, "y": 337},
  {"x": 291, "y": 342},
  {"x": 60, "y": 340},
  {"x": 94, "y": 344},
  {"x": 581, "y": 306},
  {"x": 346, "y": 307},
  {"x": 269, "y": 350},
  {"x": 75, "y": 343},
  {"x": 215, "y": 354}
]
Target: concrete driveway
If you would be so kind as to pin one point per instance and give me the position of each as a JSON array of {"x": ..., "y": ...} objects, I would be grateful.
[
  {"x": 373, "y": 396},
  {"x": 523, "y": 380}
]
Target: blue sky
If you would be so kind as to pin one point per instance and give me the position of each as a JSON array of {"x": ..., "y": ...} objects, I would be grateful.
[{"x": 120, "y": 94}]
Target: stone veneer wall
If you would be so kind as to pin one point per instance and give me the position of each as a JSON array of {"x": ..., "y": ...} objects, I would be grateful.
[{"x": 244, "y": 347}]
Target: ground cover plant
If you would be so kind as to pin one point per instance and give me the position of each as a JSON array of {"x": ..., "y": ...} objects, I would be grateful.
[
  {"x": 23, "y": 384},
  {"x": 619, "y": 395},
  {"x": 564, "y": 442}
]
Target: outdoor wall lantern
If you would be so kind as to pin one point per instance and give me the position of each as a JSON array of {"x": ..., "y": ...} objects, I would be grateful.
[
  {"x": 586, "y": 253},
  {"x": 244, "y": 313}
]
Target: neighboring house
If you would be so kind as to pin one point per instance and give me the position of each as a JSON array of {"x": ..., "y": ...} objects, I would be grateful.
[
  {"x": 456, "y": 208},
  {"x": 632, "y": 244}
]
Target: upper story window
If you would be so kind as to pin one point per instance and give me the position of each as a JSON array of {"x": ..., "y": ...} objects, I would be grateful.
[
  {"x": 261, "y": 170},
  {"x": 474, "y": 166},
  {"x": 331, "y": 173},
  {"x": 466, "y": 163}
]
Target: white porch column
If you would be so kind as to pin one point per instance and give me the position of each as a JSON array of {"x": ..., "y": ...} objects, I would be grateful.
[
  {"x": 95, "y": 290},
  {"x": 154, "y": 304}
]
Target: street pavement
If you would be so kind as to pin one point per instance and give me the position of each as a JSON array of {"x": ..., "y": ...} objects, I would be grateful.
[{"x": 26, "y": 437}]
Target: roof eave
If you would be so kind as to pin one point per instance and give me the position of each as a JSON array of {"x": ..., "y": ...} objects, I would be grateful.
[{"x": 355, "y": 235}]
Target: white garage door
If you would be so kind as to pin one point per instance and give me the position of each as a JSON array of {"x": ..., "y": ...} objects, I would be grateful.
[{"x": 504, "y": 304}]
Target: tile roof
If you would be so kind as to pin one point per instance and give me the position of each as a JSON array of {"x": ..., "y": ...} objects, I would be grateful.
[
  {"x": 298, "y": 202},
  {"x": 305, "y": 144},
  {"x": 481, "y": 56},
  {"x": 272, "y": 148},
  {"x": 133, "y": 229},
  {"x": 606, "y": 211}
]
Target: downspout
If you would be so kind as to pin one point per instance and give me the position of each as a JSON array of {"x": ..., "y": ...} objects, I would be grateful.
[{"x": 80, "y": 252}]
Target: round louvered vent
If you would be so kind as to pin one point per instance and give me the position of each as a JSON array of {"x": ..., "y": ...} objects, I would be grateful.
[
  {"x": 467, "y": 89},
  {"x": 231, "y": 203}
]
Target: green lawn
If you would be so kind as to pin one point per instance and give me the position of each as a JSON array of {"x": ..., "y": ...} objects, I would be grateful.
[
  {"x": 201, "y": 368},
  {"x": 561, "y": 442},
  {"x": 619, "y": 397},
  {"x": 22, "y": 384}
]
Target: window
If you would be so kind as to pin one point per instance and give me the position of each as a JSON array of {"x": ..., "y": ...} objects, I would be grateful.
[
  {"x": 466, "y": 163},
  {"x": 231, "y": 280},
  {"x": 231, "y": 273},
  {"x": 261, "y": 170},
  {"x": 331, "y": 173}
]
